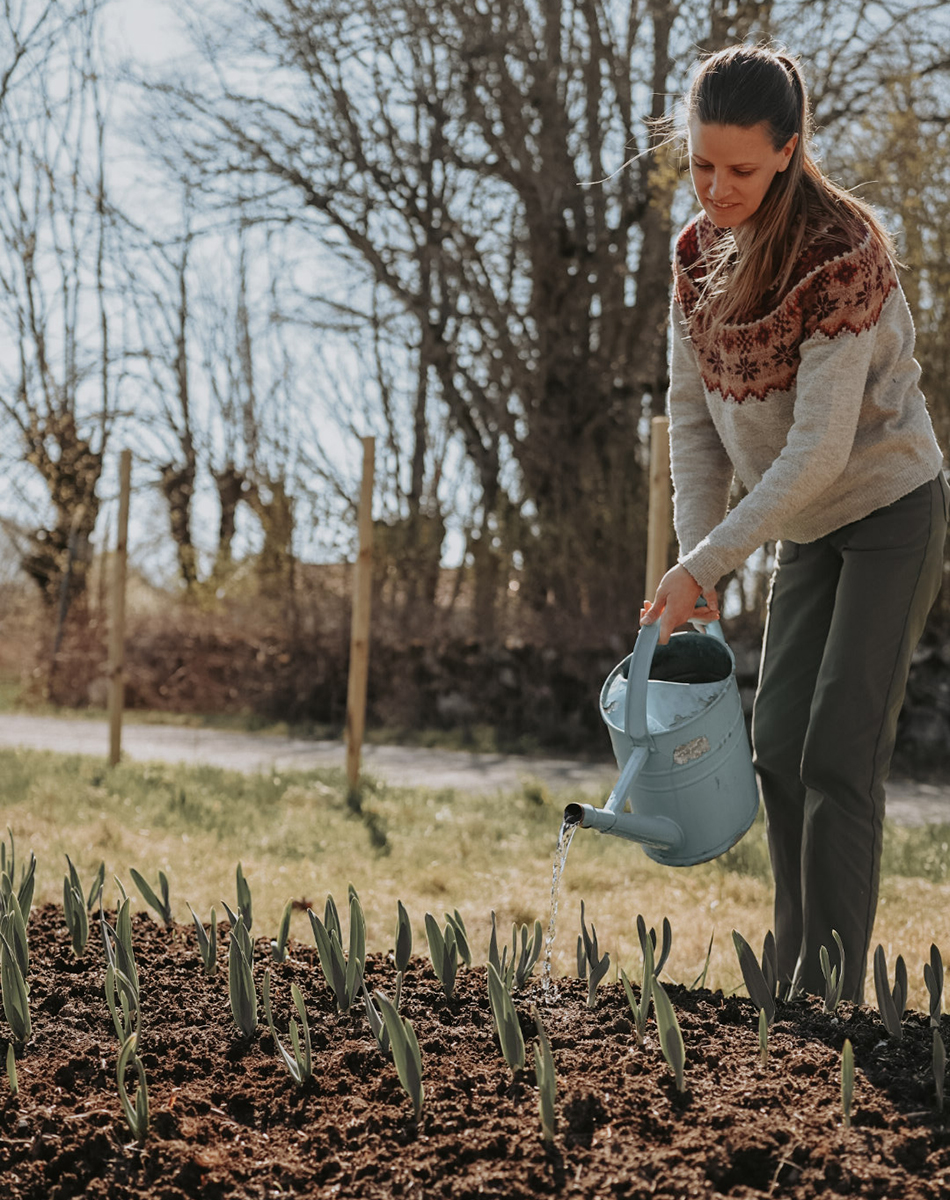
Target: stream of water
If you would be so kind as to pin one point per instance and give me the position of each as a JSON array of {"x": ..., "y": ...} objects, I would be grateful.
[{"x": 564, "y": 839}]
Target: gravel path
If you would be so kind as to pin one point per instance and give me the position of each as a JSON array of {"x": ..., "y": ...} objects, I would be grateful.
[{"x": 908, "y": 802}]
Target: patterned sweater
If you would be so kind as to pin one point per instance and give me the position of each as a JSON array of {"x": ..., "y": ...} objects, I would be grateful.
[{"x": 813, "y": 404}]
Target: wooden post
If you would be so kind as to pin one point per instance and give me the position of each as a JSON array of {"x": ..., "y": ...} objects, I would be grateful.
[
  {"x": 658, "y": 519},
  {"x": 359, "y": 629},
  {"x": 117, "y": 617}
]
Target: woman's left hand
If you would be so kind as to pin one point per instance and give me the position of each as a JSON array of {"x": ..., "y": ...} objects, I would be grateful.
[{"x": 675, "y": 603}]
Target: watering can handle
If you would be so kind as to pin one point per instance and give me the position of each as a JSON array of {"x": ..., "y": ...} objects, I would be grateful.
[{"x": 638, "y": 674}]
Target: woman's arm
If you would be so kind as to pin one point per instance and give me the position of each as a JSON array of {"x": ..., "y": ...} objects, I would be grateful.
[
  {"x": 830, "y": 389},
  {"x": 701, "y": 469}
]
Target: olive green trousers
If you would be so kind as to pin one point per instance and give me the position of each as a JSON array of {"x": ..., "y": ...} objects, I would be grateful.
[{"x": 844, "y": 616}]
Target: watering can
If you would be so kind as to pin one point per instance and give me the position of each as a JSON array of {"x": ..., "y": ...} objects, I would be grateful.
[{"x": 675, "y": 721}]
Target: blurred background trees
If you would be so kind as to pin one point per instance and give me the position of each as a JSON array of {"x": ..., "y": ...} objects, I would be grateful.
[{"x": 442, "y": 223}]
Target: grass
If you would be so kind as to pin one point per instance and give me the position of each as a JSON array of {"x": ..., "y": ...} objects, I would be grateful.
[{"x": 299, "y": 836}]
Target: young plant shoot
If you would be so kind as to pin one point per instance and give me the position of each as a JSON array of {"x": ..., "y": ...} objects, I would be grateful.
[
  {"x": 207, "y": 943},
  {"x": 241, "y": 990},
  {"x": 671, "y": 1036},
  {"x": 545, "y": 1076},
  {"x": 162, "y": 905},
  {"x": 507, "y": 1024},
  {"x": 890, "y": 1001},
  {"x": 300, "y": 1062},
  {"x": 278, "y": 946},
  {"x": 847, "y": 1082},
  {"x": 443, "y": 950},
  {"x": 596, "y": 965},
  {"x": 406, "y": 1053},
  {"x": 136, "y": 1114}
]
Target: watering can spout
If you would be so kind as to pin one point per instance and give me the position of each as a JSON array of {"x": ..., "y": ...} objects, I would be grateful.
[{"x": 658, "y": 832}]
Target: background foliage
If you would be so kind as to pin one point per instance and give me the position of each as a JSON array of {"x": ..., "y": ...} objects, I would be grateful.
[{"x": 441, "y": 223}]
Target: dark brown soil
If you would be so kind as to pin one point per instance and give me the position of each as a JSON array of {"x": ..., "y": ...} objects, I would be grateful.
[{"x": 227, "y": 1120}]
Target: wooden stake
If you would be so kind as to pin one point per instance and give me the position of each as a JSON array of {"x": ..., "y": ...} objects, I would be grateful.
[
  {"x": 117, "y": 621},
  {"x": 359, "y": 630},
  {"x": 658, "y": 519}
]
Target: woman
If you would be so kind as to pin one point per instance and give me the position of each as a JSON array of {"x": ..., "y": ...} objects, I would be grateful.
[{"x": 792, "y": 368}]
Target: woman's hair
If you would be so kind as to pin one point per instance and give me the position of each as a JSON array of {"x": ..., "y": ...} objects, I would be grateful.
[{"x": 753, "y": 85}]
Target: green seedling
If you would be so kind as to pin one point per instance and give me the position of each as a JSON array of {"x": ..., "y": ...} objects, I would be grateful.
[
  {"x": 331, "y": 918},
  {"x": 596, "y": 965},
  {"x": 8, "y": 884},
  {"x": 641, "y": 1008},
  {"x": 207, "y": 945},
  {"x": 278, "y": 946},
  {"x": 403, "y": 944},
  {"x": 122, "y": 979},
  {"x": 343, "y": 975},
  {"x": 75, "y": 910},
  {"x": 14, "y": 994},
  {"x": 833, "y": 976},
  {"x": 136, "y": 1114},
  {"x": 524, "y": 952},
  {"x": 443, "y": 950},
  {"x": 671, "y": 1036},
  {"x": 506, "y": 1020},
  {"x": 241, "y": 990},
  {"x": 933, "y": 977},
  {"x": 121, "y": 955},
  {"x": 659, "y": 961},
  {"x": 123, "y": 1001},
  {"x": 245, "y": 906},
  {"x": 939, "y": 1061},
  {"x": 95, "y": 892},
  {"x": 890, "y": 1002},
  {"x": 13, "y": 928},
  {"x": 502, "y": 965},
  {"x": 763, "y": 1038},
  {"x": 545, "y": 1075},
  {"x": 11, "y": 1070},
  {"x": 405, "y": 1050},
  {"x": 760, "y": 981},
  {"x": 300, "y": 1062},
  {"x": 375, "y": 1017},
  {"x": 461, "y": 936},
  {"x": 847, "y": 1082},
  {"x": 700, "y": 980},
  {"x": 162, "y": 906}
]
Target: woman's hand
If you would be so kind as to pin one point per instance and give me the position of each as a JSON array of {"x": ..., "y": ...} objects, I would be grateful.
[{"x": 675, "y": 603}]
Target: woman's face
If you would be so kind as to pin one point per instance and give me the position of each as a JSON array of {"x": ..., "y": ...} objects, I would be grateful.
[{"x": 732, "y": 168}]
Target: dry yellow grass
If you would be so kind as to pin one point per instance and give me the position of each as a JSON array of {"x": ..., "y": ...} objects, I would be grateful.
[{"x": 297, "y": 838}]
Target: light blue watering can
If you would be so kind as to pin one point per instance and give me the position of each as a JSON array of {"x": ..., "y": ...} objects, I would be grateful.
[{"x": 675, "y": 721}]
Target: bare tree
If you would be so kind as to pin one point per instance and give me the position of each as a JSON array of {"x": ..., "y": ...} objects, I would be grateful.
[
  {"x": 467, "y": 160},
  {"x": 58, "y": 386}
]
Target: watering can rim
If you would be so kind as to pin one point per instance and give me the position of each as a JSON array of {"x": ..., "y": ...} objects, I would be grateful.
[{"x": 638, "y": 676}]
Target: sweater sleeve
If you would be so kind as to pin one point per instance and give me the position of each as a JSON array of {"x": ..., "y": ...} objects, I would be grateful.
[
  {"x": 831, "y": 380},
  {"x": 701, "y": 469}
]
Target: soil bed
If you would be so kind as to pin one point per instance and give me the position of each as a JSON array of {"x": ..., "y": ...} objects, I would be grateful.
[{"x": 228, "y": 1120}]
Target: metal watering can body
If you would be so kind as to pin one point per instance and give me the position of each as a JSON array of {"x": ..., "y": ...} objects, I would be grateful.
[{"x": 676, "y": 725}]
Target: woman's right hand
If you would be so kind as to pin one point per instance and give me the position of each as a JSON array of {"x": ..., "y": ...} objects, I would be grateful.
[{"x": 675, "y": 603}]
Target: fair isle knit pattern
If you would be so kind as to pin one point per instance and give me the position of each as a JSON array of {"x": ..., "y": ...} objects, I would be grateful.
[
  {"x": 830, "y": 293},
  {"x": 812, "y": 402}
]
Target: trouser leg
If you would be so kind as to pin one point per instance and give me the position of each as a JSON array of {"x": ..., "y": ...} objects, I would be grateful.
[
  {"x": 888, "y": 574},
  {"x": 800, "y": 606},
  {"x": 892, "y": 566}
]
